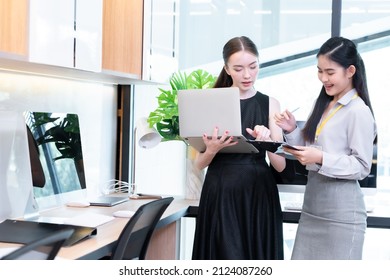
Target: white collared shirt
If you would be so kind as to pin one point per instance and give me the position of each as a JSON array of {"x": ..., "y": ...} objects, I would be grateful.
[{"x": 346, "y": 140}]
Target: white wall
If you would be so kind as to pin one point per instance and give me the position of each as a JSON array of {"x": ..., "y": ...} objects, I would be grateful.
[{"x": 160, "y": 170}]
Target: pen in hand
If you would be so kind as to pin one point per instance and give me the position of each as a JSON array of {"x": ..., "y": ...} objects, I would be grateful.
[{"x": 282, "y": 116}]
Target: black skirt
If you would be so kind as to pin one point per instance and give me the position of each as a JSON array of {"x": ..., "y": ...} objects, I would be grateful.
[{"x": 239, "y": 215}]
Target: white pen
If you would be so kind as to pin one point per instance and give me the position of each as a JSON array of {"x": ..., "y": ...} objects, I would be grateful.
[{"x": 294, "y": 110}]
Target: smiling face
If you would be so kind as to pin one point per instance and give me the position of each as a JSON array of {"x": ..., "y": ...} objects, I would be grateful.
[
  {"x": 336, "y": 79},
  {"x": 243, "y": 67}
]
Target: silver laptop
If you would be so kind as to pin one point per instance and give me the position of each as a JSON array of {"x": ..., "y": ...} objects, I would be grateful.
[
  {"x": 201, "y": 110},
  {"x": 108, "y": 201}
]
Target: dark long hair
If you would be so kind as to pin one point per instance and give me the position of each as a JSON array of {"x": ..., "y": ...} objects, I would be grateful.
[
  {"x": 234, "y": 45},
  {"x": 343, "y": 52}
]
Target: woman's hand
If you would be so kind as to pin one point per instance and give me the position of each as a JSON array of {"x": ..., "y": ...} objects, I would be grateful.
[
  {"x": 285, "y": 121},
  {"x": 260, "y": 132},
  {"x": 214, "y": 144},
  {"x": 306, "y": 155}
]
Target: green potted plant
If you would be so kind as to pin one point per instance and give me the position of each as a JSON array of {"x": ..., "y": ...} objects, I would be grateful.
[{"x": 166, "y": 121}]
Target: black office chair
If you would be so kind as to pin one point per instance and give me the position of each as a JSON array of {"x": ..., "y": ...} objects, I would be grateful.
[
  {"x": 135, "y": 237},
  {"x": 45, "y": 248}
]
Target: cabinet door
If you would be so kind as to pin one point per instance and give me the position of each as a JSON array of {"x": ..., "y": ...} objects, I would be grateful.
[
  {"x": 13, "y": 26},
  {"x": 66, "y": 33},
  {"x": 52, "y": 34},
  {"x": 89, "y": 21},
  {"x": 122, "y": 36}
]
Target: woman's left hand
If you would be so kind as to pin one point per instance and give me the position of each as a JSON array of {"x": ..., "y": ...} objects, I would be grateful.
[
  {"x": 260, "y": 132},
  {"x": 306, "y": 155}
]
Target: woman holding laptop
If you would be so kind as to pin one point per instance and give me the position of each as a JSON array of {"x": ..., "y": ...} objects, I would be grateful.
[{"x": 239, "y": 214}]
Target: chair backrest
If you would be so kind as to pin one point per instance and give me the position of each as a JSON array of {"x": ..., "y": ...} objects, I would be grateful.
[
  {"x": 135, "y": 237},
  {"x": 45, "y": 248}
]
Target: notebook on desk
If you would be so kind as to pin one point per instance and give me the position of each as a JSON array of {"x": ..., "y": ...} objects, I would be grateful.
[
  {"x": 201, "y": 110},
  {"x": 19, "y": 231}
]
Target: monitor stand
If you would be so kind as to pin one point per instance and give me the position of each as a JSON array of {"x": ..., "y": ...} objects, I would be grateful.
[{"x": 32, "y": 208}]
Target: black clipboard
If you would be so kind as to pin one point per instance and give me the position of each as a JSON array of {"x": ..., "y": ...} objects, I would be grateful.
[
  {"x": 242, "y": 146},
  {"x": 272, "y": 146}
]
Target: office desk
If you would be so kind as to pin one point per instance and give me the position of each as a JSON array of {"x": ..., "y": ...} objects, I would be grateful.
[{"x": 166, "y": 235}]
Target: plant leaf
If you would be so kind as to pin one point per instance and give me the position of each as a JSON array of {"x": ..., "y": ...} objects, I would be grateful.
[
  {"x": 178, "y": 81},
  {"x": 169, "y": 129},
  {"x": 199, "y": 79}
]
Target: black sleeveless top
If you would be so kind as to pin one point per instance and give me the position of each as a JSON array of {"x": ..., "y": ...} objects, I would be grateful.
[{"x": 254, "y": 111}]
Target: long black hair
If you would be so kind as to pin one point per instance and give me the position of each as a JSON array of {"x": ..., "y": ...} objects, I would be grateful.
[
  {"x": 232, "y": 46},
  {"x": 344, "y": 52}
]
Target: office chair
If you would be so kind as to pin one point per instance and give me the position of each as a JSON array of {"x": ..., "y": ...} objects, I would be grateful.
[
  {"x": 45, "y": 248},
  {"x": 135, "y": 237}
]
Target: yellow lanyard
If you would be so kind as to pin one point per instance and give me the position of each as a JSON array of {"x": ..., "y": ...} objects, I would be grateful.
[{"x": 322, "y": 124}]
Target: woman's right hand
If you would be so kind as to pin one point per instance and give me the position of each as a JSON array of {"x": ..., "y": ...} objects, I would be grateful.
[
  {"x": 215, "y": 144},
  {"x": 285, "y": 121}
]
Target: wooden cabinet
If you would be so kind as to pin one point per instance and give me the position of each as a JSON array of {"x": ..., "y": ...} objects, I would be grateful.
[
  {"x": 87, "y": 39},
  {"x": 64, "y": 33},
  {"x": 122, "y": 36},
  {"x": 13, "y": 27}
]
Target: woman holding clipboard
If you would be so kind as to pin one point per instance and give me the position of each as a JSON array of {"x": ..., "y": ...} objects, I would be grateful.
[{"x": 337, "y": 148}]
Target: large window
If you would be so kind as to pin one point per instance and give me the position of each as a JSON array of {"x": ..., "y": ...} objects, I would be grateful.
[
  {"x": 288, "y": 34},
  {"x": 364, "y": 18},
  {"x": 267, "y": 23}
]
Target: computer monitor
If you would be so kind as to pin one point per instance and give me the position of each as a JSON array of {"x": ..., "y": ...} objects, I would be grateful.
[
  {"x": 41, "y": 162},
  {"x": 294, "y": 177},
  {"x": 56, "y": 156}
]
